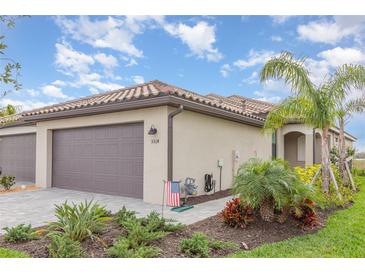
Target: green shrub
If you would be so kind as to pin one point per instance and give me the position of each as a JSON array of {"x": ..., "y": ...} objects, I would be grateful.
[
  {"x": 139, "y": 234},
  {"x": 196, "y": 246},
  {"x": 358, "y": 172},
  {"x": 124, "y": 215},
  {"x": 126, "y": 248},
  {"x": 19, "y": 233},
  {"x": 62, "y": 246},
  {"x": 200, "y": 246},
  {"x": 268, "y": 185},
  {"x": 79, "y": 221},
  {"x": 155, "y": 222},
  {"x": 7, "y": 182},
  {"x": 325, "y": 200}
]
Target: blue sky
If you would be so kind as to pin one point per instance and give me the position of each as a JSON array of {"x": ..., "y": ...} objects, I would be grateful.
[{"x": 68, "y": 57}]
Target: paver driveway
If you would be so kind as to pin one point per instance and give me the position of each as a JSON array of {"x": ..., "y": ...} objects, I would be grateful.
[{"x": 37, "y": 206}]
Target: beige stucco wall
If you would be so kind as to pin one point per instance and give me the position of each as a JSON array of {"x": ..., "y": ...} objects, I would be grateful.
[
  {"x": 155, "y": 154},
  {"x": 17, "y": 130},
  {"x": 200, "y": 140}
]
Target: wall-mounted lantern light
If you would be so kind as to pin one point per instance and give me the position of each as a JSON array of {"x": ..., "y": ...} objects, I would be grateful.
[{"x": 152, "y": 131}]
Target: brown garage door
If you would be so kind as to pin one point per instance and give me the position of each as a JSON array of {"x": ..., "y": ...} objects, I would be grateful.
[
  {"x": 17, "y": 156},
  {"x": 103, "y": 159}
]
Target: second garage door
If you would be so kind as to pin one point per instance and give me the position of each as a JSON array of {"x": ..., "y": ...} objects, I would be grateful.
[
  {"x": 17, "y": 156},
  {"x": 103, "y": 159}
]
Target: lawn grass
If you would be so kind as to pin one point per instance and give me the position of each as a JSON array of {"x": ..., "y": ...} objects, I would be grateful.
[
  {"x": 343, "y": 236},
  {"x": 9, "y": 253}
]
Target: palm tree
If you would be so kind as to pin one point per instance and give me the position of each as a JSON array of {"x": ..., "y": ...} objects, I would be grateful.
[
  {"x": 269, "y": 185},
  {"x": 346, "y": 109},
  {"x": 313, "y": 105}
]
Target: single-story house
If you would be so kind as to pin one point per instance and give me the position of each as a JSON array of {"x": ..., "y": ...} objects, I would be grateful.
[{"x": 126, "y": 142}]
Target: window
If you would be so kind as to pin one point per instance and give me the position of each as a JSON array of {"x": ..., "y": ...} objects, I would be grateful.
[{"x": 301, "y": 148}]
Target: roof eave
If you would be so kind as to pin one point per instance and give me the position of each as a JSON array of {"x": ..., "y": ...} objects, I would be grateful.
[{"x": 148, "y": 102}]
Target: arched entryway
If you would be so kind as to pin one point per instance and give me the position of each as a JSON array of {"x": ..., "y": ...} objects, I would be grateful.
[{"x": 294, "y": 148}]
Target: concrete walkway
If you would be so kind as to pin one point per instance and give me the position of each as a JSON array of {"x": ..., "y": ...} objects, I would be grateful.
[{"x": 37, "y": 206}]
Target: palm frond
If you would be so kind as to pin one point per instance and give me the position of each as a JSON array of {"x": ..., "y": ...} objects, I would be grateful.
[
  {"x": 356, "y": 105},
  {"x": 289, "y": 69},
  {"x": 294, "y": 108},
  {"x": 345, "y": 78},
  {"x": 258, "y": 180}
]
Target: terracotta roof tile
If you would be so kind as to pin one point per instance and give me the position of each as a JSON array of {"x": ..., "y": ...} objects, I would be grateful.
[{"x": 237, "y": 104}]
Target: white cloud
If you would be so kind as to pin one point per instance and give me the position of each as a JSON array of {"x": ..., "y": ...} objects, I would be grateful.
[
  {"x": 115, "y": 33},
  {"x": 328, "y": 60},
  {"x": 32, "y": 92},
  {"x": 272, "y": 99},
  {"x": 252, "y": 79},
  {"x": 131, "y": 62},
  {"x": 334, "y": 30},
  {"x": 138, "y": 79},
  {"x": 54, "y": 91},
  {"x": 199, "y": 38},
  {"x": 339, "y": 56},
  {"x": 24, "y": 105},
  {"x": 280, "y": 19},
  {"x": 108, "y": 61},
  {"x": 79, "y": 66},
  {"x": 225, "y": 70},
  {"x": 94, "y": 83},
  {"x": 254, "y": 58},
  {"x": 70, "y": 60},
  {"x": 276, "y": 38},
  {"x": 273, "y": 91},
  {"x": 59, "y": 83}
]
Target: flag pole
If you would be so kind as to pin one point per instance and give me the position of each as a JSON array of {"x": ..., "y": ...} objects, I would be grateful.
[{"x": 163, "y": 197}]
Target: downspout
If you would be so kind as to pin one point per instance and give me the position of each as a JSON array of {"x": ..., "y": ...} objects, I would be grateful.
[{"x": 170, "y": 138}]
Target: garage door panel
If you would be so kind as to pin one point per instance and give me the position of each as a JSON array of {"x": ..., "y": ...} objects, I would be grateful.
[
  {"x": 106, "y": 159},
  {"x": 18, "y": 156},
  {"x": 106, "y": 150}
]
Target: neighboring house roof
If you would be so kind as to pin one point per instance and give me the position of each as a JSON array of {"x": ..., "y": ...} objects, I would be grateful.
[
  {"x": 153, "y": 89},
  {"x": 347, "y": 135},
  {"x": 249, "y": 105}
]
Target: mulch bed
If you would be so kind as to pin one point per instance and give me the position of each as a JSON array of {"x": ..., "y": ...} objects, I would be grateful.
[
  {"x": 94, "y": 249},
  {"x": 194, "y": 200},
  {"x": 257, "y": 233},
  {"x": 18, "y": 189}
]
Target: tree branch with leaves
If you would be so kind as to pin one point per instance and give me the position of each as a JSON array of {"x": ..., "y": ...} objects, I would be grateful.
[{"x": 9, "y": 69}]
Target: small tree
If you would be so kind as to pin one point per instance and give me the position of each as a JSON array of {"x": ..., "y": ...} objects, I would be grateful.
[
  {"x": 313, "y": 105},
  {"x": 8, "y": 110},
  {"x": 346, "y": 109}
]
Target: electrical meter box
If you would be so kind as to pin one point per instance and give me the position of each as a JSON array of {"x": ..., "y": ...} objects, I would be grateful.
[{"x": 220, "y": 163}]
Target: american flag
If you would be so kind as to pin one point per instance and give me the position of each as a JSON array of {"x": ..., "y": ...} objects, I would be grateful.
[{"x": 173, "y": 193}]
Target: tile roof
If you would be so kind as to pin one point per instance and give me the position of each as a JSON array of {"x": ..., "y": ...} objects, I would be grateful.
[
  {"x": 236, "y": 104},
  {"x": 249, "y": 105}
]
